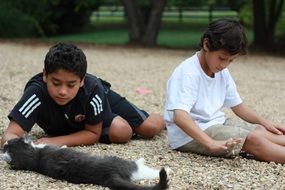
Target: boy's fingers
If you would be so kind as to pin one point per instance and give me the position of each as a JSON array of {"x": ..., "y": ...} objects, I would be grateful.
[
  {"x": 276, "y": 131},
  {"x": 233, "y": 141},
  {"x": 280, "y": 128},
  {"x": 238, "y": 140}
]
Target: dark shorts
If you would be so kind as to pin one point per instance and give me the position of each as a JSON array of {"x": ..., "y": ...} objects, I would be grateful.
[{"x": 120, "y": 106}]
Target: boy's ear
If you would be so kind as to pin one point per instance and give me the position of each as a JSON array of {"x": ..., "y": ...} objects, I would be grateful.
[
  {"x": 82, "y": 82},
  {"x": 206, "y": 44},
  {"x": 44, "y": 76}
]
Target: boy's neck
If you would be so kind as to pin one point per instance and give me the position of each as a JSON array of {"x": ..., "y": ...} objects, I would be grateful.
[{"x": 201, "y": 56}]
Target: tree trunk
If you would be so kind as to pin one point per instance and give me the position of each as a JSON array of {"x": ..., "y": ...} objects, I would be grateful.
[
  {"x": 274, "y": 15},
  {"x": 264, "y": 27},
  {"x": 135, "y": 21},
  {"x": 154, "y": 22},
  {"x": 259, "y": 22},
  {"x": 143, "y": 24}
]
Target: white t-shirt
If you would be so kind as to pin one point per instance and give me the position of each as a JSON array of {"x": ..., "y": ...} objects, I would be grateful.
[{"x": 203, "y": 97}]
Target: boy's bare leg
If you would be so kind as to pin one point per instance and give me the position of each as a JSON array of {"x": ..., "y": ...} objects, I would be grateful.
[
  {"x": 151, "y": 126},
  {"x": 277, "y": 139},
  {"x": 120, "y": 131},
  {"x": 263, "y": 149}
]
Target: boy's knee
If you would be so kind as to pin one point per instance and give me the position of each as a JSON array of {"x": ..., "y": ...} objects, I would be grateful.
[
  {"x": 253, "y": 138},
  {"x": 147, "y": 131},
  {"x": 120, "y": 134},
  {"x": 151, "y": 126},
  {"x": 156, "y": 121},
  {"x": 120, "y": 131},
  {"x": 254, "y": 142}
]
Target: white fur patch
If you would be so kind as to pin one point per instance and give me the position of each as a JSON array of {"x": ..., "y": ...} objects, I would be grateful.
[
  {"x": 144, "y": 172},
  {"x": 38, "y": 145},
  {"x": 6, "y": 157}
]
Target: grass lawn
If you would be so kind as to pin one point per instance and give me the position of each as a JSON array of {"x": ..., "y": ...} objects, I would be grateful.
[
  {"x": 110, "y": 37},
  {"x": 174, "y": 33}
]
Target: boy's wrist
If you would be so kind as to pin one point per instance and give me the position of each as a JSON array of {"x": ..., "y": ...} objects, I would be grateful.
[{"x": 207, "y": 142}]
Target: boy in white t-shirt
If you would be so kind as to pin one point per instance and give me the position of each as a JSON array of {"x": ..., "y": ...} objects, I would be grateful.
[{"x": 201, "y": 86}]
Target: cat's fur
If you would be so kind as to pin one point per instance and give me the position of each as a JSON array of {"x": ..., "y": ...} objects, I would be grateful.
[{"x": 77, "y": 167}]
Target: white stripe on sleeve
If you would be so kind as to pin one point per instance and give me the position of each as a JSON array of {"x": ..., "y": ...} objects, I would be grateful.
[
  {"x": 96, "y": 103},
  {"x": 29, "y": 106}
]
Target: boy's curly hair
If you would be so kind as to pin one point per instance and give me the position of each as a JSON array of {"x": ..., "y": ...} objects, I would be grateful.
[
  {"x": 226, "y": 34},
  {"x": 67, "y": 57}
]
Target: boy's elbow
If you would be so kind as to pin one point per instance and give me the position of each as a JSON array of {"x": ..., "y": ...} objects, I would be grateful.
[{"x": 177, "y": 115}]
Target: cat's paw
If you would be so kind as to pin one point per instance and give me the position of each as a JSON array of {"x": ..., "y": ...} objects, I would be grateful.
[{"x": 63, "y": 146}]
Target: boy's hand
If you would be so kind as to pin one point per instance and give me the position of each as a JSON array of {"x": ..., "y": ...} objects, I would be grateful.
[
  {"x": 47, "y": 140},
  {"x": 218, "y": 146},
  {"x": 222, "y": 146},
  {"x": 280, "y": 127},
  {"x": 274, "y": 128}
]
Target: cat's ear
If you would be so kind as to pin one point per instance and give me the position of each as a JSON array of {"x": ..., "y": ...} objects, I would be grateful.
[{"x": 27, "y": 139}]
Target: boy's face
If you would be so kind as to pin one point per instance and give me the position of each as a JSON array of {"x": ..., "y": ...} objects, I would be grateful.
[
  {"x": 62, "y": 85},
  {"x": 215, "y": 61},
  {"x": 218, "y": 60}
]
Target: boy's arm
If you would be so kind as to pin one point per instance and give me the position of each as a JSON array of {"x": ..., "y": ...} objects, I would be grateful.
[
  {"x": 249, "y": 115},
  {"x": 186, "y": 123},
  {"x": 88, "y": 136},
  {"x": 14, "y": 130}
]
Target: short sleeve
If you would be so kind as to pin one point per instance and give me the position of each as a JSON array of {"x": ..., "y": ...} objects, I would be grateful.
[
  {"x": 26, "y": 111},
  {"x": 232, "y": 96},
  {"x": 97, "y": 106},
  {"x": 182, "y": 92}
]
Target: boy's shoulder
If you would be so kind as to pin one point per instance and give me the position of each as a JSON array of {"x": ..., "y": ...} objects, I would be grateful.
[
  {"x": 91, "y": 81},
  {"x": 92, "y": 85},
  {"x": 36, "y": 81},
  {"x": 189, "y": 66}
]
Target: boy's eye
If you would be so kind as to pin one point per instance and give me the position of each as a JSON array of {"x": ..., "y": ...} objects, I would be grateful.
[
  {"x": 56, "y": 84},
  {"x": 70, "y": 85}
]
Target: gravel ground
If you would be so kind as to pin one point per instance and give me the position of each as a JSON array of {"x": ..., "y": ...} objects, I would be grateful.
[{"x": 260, "y": 80}]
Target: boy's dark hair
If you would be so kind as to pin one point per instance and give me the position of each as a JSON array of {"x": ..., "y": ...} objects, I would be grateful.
[
  {"x": 67, "y": 57},
  {"x": 226, "y": 34}
]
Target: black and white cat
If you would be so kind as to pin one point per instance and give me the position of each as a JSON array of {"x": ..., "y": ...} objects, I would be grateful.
[{"x": 77, "y": 167}]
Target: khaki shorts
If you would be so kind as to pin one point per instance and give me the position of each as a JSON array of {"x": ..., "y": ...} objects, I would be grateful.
[{"x": 220, "y": 132}]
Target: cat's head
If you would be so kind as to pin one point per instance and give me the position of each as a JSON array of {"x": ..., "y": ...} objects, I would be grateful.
[{"x": 20, "y": 152}]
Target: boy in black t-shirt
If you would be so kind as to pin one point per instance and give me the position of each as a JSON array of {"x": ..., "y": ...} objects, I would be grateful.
[{"x": 76, "y": 108}]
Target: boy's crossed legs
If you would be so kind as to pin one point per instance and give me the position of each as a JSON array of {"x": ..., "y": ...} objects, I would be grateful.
[
  {"x": 261, "y": 143},
  {"x": 265, "y": 145},
  {"x": 127, "y": 119}
]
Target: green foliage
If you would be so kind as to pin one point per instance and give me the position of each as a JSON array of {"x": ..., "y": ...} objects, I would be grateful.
[
  {"x": 245, "y": 14},
  {"x": 15, "y": 23},
  {"x": 44, "y": 17},
  {"x": 24, "y": 18},
  {"x": 70, "y": 16}
]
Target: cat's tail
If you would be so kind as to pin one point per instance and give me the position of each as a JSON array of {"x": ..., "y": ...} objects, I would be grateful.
[
  {"x": 117, "y": 183},
  {"x": 163, "y": 181}
]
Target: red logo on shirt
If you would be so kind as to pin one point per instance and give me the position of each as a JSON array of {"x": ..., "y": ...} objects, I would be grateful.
[{"x": 79, "y": 118}]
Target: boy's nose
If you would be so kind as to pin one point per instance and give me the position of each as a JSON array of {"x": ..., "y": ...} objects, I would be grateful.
[{"x": 62, "y": 92}]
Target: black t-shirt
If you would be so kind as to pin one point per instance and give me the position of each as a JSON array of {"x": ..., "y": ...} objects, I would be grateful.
[{"x": 89, "y": 106}]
